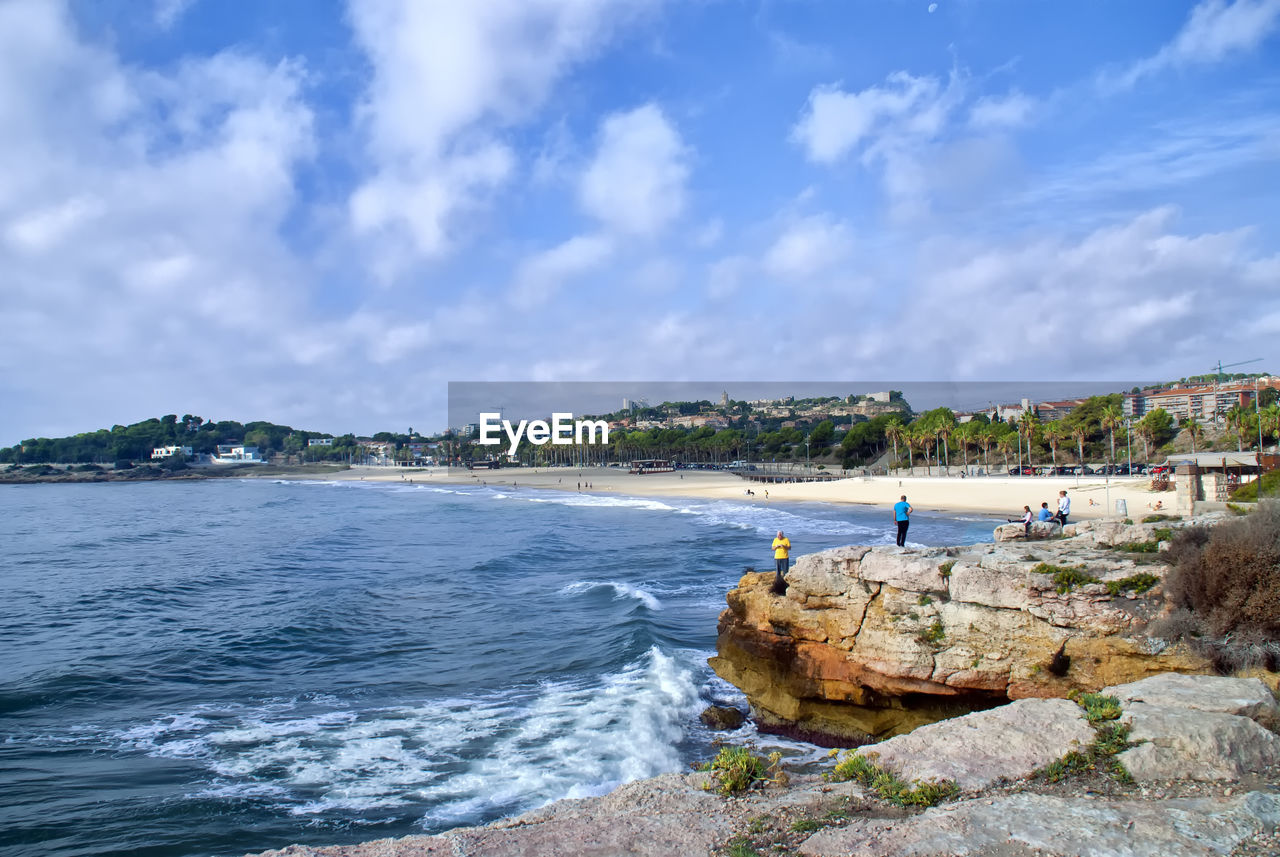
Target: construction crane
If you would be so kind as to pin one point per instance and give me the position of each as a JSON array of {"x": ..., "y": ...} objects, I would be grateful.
[
  {"x": 1229, "y": 365},
  {"x": 1217, "y": 379}
]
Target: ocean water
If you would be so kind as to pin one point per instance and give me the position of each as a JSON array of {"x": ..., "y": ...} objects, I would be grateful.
[{"x": 219, "y": 667}]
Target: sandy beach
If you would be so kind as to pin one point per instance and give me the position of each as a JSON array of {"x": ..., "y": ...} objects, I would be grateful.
[{"x": 996, "y": 495}]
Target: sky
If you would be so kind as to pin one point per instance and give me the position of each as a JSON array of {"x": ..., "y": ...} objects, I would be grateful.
[{"x": 320, "y": 213}]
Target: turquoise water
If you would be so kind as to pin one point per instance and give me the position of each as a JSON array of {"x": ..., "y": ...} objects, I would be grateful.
[{"x": 218, "y": 667}]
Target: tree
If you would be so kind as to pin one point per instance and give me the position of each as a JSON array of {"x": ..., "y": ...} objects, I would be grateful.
[
  {"x": 822, "y": 433},
  {"x": 1156, "y": 427},
  {"x": 1029, "y": 427},
  {"x": 895, "y": 431},
  {"x": 1112, "y": 418},
  {"x": 1192, "y": 427},
  {"x": 1005, "y": 445},
  {"x": 1054, "y": 433},
  {"x": 1080, "y": 431}
]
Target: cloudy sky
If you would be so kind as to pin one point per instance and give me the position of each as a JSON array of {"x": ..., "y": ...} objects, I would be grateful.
[{"x": 320, "y": 213}]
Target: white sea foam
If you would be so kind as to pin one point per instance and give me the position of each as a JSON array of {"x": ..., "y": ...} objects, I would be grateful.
[
  {"x": 462, "y": 758},
  {"x": 620, "y": 590}
]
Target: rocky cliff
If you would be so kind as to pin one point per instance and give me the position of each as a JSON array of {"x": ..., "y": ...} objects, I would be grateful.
[{"x": 870, "y": 642}]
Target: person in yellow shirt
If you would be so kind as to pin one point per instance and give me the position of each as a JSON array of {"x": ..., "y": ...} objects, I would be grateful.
[{"x": 781, "y": 560}]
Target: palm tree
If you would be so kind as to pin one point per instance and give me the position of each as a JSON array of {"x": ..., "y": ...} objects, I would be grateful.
[
  {"x": 1005, "y": 444},
  {"x": 1194, "y": 431},
  {"x": 1111, "y": 420},
  {"x": 1080, "y": 431},
  {"x": 1271, "y": 421},
  {"x": 895, "y": 431},
  {"x": 912, "y": 439},
  {"x": 1029, "y": 428},
  {"x": 966, "y": 434},
  {"x": 1241, "y": 421},
  {"x": 986, "y": 440},
  {"x": 1054, "y": 433},
  {"x": 1148, "y": 434}
]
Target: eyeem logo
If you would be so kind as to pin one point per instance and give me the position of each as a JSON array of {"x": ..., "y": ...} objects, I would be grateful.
[{"x": 560, "y": 431}]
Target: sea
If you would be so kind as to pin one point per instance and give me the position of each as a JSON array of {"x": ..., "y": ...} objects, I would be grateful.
[{"x": 227, "y": 666}]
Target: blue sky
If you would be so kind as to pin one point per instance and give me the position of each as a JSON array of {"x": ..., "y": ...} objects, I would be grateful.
[{"x": 320, "y": 213}]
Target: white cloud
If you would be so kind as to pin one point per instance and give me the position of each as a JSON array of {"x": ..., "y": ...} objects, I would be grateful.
[
  {"x": 1010, "y": 111},
  {"x": 542, "y": 275},
  {"x": 168, "y": 12},
  {"x": 139, "y": 219},
  {"x": 1215, "y": 30},
  {"x": 448, "y": 78},
  {"x": 635, "y": 184},
  {"x": 836, "y": 122},
  {"x": 807, "y": 247}
]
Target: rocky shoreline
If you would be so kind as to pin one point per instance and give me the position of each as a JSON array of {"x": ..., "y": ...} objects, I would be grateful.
[
  {"x": 1200, "y": 776},
  {"x": 1012, "y": 685},
  {"x": 868, "y": 642}
]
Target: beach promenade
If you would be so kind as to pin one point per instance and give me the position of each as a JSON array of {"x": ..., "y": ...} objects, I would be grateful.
[{"x": 996, "y": 495}]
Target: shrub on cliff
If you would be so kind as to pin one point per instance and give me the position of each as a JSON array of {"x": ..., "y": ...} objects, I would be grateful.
[
  {"x": 1225, "y": 584},
  {"x": 736, "y": 769}
]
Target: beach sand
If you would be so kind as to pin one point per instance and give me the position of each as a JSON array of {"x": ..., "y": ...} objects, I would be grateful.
[{"x": 997, "y": 495}]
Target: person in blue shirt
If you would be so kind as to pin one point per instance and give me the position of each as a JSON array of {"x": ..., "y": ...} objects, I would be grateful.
[
  {"x": 902, "y": 514},
  {"x": 1045, "y": 514}
]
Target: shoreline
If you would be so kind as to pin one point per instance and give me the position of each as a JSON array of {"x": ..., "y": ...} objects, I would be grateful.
[{"x": 1001, "y": 496}]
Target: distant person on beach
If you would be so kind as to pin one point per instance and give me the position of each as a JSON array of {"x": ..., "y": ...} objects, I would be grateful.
[
  {"x": 781, "y": 560},
  {"x": 1064, "y": 508},
  {"x": 902, "y": 515},
  {"x": 1045, "y": 514},
  {"x": 1026, "y": 520}
]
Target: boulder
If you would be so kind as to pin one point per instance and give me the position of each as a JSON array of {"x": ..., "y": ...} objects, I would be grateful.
[
  {"x": 1187, "y": 744},
  {"x": 722, "y": 718},
  {"x": 871, "y": 642},
  {"x": 1247, "y": 697},
  {"x": 982, "y": 748},
  {"x": 1023, "y": 825},
  {"x": 658, "y": 817},
  {"x": 1039, "y": 530}
]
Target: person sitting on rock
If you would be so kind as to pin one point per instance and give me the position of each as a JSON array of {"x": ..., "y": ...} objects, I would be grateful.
[
  {"x": 1025, "y": 520},
  {"x": 1044, "y": 514}
]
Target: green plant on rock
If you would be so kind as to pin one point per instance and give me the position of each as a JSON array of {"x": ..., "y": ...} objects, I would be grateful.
[
  {"x": 741, "y": 847},
  {"x": 736, "y": 769},
  {"x": 924, "y": 600},
  {"x": 1099, "y": 708},
  {"x": 1136, "y": 583},
  {"x": 806, "y": 825},
  {"x": 1162, "y": 534},
  {"x": 1138, "y": 547},
  {"x": 864, "y": 769},
  {"x": 1111, "y": 739},
  {"x": 1066, "y": 578},
  {"x": 934, "y": 634}
]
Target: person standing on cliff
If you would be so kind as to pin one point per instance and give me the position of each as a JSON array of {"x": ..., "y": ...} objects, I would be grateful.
[
  {"x": 902, "y": 514},
  {"x": 781, "y": 561}
]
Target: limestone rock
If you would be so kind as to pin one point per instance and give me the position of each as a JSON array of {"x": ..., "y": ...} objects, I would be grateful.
[
  {"x": 658, "y": 817},
  {"x": 1039, "y": 530},
  {"x": 1183, "y": 743},
  {"x": 722, "y": 718},
  {"x": 979, "y": 749},
  {"x": 1247, "y": 697},
  {"x": 870, "y": 642},
  {"x": 1029, "y": 825}
]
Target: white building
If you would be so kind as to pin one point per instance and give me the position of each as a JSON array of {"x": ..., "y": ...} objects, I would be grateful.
[
  {"x": 319, "y": 441},
  {"x": 237, "y": 454},
  {"x": 160, "y": 452}
]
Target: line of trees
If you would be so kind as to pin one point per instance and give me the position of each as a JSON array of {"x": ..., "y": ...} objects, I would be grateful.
[{"x": 135, "y": 442}]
